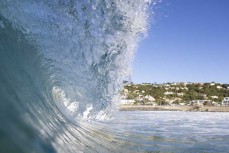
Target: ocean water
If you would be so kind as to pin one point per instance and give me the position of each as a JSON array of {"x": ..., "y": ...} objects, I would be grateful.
[
  {"x": 63, "y": 64},
  {"x": 171, "y": 131}
]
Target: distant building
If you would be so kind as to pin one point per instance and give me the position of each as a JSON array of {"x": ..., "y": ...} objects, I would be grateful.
[
  {"x": 150, "y": 98},
  {"x": 182, "y": 104},
  {"x": 126, "y": 90},
  {"x": 127, "y": 101},
  {"x": 203, "y": 95},
  {"x": 214, "y": 97},
  {"x": 136, "y": 91},
  {"x": 197, "y": 102},
  {"x": 219, "y": 87},
  {"x": 168, "y": 93},
  {"x": 201, "y": 102},
  {"x": 180, "y": 94},
  {"x": 225, "y": 101},
  {"x": 215, "y": 104},
  {"x": 185, "y": 88},
  {"x": 139, "y": 98}
]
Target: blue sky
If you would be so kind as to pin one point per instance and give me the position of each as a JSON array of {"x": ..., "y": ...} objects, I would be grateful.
[{"x": 188, "y": 41}]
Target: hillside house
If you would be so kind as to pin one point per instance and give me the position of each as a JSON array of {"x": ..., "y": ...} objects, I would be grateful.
[
  {"x": 214, "y": 97},
  {"x": 150, "y": 98},
  {"x": 219, "y": 87},
  {"x": 125, "y": 91},
  {"x": 225, "y": 101},
  {"x": 180, "y": 94},
  {"x": 203, "y": 95},
  {"x": 127, "y": 101},
  {"x": 168, "y": 93}
]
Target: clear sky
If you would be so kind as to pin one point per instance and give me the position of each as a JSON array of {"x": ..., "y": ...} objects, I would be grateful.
[{"x": 188, "y": 41}]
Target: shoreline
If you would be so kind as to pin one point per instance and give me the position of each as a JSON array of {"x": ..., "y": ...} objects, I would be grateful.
[{"x": 174, "y": 108}]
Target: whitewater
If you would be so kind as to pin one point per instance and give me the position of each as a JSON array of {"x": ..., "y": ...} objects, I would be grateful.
[{"x": 63, "y": 64}]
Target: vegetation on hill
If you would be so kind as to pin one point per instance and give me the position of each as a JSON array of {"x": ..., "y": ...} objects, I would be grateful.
[{"x": 177, "y": 92}]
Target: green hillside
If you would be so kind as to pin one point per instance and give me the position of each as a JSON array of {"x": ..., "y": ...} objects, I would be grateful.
[{"x": 177, "y": 92}]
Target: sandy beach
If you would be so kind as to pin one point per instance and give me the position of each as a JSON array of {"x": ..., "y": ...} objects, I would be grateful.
[{"x": 174, "y": 108}]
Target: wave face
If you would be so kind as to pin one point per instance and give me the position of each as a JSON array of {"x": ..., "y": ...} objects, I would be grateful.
[{"x": 63, "y": 62}]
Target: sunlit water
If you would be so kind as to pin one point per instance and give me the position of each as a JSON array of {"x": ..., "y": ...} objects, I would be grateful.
[{"x": 167, "y": 131}]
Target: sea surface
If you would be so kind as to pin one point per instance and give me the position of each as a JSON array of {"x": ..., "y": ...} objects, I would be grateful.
[{"x": 172, "y": 131}]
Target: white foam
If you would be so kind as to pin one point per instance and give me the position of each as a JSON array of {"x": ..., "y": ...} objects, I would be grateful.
[
  {"x": 65, "y": 104},
  {"x": 87, "y": 112}
]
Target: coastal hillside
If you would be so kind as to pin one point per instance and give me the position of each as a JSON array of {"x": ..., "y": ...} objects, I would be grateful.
[{"x": 175, "y": 93}]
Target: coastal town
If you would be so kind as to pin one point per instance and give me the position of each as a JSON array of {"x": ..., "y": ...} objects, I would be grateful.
[{"x": 176, "y": 94}]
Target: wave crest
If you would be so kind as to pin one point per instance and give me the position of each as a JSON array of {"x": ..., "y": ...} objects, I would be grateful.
[{"x": 86, "y": 46}]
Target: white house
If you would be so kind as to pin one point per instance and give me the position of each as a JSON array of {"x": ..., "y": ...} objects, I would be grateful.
[
  {"x": 219, "y": 87},
  {"x": 185, "y": 88},
  {"x": 203, "y": 95},
  {"x": 136, "y": 91},
  {"x": 168, "y": 93},
  {"x": 125, "y": 90},
  {"x": 225, "y": 101},
  {"x": 212, "y": 84},
  {"x": 150, "y": 98},
  {"x": 127, "y": 101},
  {"x": 214, "y": 97},
  {"x": 180, "y": 94},
  {"x": 200, "y": 102}
]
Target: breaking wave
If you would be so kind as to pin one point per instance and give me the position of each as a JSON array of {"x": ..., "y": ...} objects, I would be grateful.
[{"x": 63, "y": 63}]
